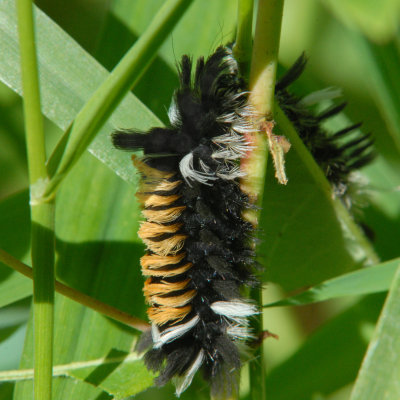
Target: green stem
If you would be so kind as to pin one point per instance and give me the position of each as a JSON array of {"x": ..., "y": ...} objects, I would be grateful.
[
  {"x": 244, "y": 36},
  {"x": 77, "y": 296},
  {"x": 265, "y": 55},
  {"x": 106, "y": 98},
  {"x": 43, "y": 296},
  {"x": 42, "y": 215},
  {"x": 31, "y": 94},
  {"x": 262, "y": 86}
]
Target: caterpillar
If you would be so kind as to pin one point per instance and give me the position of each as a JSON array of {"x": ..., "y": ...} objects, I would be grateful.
[
  {"x": 339, "y": 153},
  {"x": 199, "y": 247}
]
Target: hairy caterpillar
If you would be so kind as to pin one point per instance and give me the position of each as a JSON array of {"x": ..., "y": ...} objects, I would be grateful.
[
  {"x": 339, "y": 153},
  {"x": 199, "y": 247}
]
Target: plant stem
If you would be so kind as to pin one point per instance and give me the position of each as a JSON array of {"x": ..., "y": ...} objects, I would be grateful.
[
  {"x": 262, "y": 87},
  {"x": 244, "y": 39},
  {"x": 42, "y": 215},
  {"x": 265, "y": 55},
  {"x": 77, "y": 296},
  {"x": 107, "y": 97}
]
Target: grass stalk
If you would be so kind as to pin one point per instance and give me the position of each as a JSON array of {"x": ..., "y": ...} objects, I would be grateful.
[
  {"x": 107, "y": 97},
  {"x": 42, "y": 215},
  {"x": 264, "y": 64}
]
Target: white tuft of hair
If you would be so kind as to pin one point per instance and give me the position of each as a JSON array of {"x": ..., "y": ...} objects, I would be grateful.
[
  {"x": 189, "y": 173},
  {"x": 182, "y": 382},
  {"x": 170, "y": 334},
  {"x": 234, "y": 309},
  {"x": 316, "y": 97},
  {"x": 173, "y": 113}
]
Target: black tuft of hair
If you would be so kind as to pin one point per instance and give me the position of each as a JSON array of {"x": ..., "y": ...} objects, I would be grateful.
[
  {"x": 292, "y": 74},
  {"x": 128, "y": 140}
]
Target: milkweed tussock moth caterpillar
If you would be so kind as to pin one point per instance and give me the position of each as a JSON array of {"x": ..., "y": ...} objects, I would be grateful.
[
  {"x": 199, "y": 246},
  {"x": 339, "y": 154}
]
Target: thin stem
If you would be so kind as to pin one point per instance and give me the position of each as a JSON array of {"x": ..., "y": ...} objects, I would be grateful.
[
  {"x": 106, "y": 98},
  {"x": 42, "y": 215},
  {"x": 244, "y": 36},
  {"x": 77, "y": 296},
  {"x": 265, "y": 55},
  {"x": 262, "y": 87},
  {"x": 31, "y": 94}
]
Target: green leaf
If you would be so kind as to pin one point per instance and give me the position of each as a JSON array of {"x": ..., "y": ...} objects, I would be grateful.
[
  {"x": 215, "y": 27},
  {"x": 12, "y": 331},
  {"x": 6, "y": 391},
  {"x": 13, "y": 288},
  {"x": 329, "y": 359},
  {"x": 68, "y": 77},
  {"x": 377, "y": 19},
  {"x": 364, "y": 281},
  {"x": 119, "y": 374},
  {"x": 382, "y": 64},
  {"x": 193, "y": 35},
  {"x": 309, "y": 235},
  {"x": 109, "y": 94},
  {"x": 14, "y": 238},
  {"x": 379, "y": 377},
  {"x": 11, "y": 319}
]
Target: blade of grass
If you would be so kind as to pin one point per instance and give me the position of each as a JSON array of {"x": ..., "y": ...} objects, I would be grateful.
[
  {"x": 107, "y": 97},
  {"x": 383, "y": 63},
  {"x": 124, "y": 373},
  {"x": 349, "y": 227},
  {"x": 14, "y": 288},
  {"x": 361, "y": 282},
  {"x": 378, "y": 21},
  {"x": 262, "y": 83},
  {"x": 329, "y": 358},
  {"x": 379, "y": 377},
  {"x": 15, "y": 228},
  {"x": 68, "y": 78},
  {"x": 42, "y": 215},
  {"x": 77, "y": 296}
]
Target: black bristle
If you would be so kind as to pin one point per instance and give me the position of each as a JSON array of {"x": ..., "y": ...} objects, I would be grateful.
[
  {"x": 356, "y": 142},
  {"x": 128, "y": 140},
  {"x": 345, "y": 131},
  {"x": 331, "y": 111},
  {"x": 361, "y": 149},
  {"x": 292, "y": 74},
  {"x": 185, "y": 72}
]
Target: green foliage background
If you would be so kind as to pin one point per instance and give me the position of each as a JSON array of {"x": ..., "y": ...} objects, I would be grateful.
[{"x": 305, "y": 241}]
